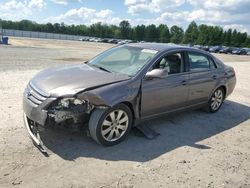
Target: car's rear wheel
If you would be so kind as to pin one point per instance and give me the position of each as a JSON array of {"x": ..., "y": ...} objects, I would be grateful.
[
  {"x": 216, "y": 100},
  {"x": 110, "y": 126}
]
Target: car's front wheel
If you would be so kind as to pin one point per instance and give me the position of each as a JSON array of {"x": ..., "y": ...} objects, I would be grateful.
[
  {"x": 110, "y": 126},
  {"x": 216, "y": 100}
]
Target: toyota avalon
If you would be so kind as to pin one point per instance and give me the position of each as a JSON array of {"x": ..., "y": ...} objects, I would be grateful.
[{"x": 124, "y": 86}]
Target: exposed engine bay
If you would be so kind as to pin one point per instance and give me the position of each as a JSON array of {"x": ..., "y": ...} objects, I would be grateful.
[{"x": 70, "y": 112}]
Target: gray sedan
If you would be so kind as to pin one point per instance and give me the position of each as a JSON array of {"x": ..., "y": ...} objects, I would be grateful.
[{"x": 124, "y": 86}]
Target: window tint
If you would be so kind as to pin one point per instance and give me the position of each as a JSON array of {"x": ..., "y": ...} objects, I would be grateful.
[
  {"x": 172, "y": 63},
  {"x": 198, "y": 62}
]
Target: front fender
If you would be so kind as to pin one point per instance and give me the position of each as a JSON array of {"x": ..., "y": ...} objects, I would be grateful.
[{"x": 110, "y": 95}]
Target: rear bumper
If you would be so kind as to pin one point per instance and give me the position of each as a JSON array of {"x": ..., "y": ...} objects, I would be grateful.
[{"x": 231, "y": 85}]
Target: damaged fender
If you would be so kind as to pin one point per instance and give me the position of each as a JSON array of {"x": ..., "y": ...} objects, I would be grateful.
[{"x": 127, "y": 91}]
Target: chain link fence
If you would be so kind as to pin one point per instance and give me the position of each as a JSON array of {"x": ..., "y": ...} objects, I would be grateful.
[{"x": 34, "y": 34}]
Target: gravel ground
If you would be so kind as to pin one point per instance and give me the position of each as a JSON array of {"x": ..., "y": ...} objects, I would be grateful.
[{"x": 194, "y": 149}]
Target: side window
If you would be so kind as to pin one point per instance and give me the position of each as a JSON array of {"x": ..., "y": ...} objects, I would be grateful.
[
  {"x": 172, "y": 63},
  {"x": 198, "y": 62},
  {"x": 212, "y": 64}
]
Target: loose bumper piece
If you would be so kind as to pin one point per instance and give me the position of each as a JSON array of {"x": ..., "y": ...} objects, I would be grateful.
[{"x": 35, "y": 137}]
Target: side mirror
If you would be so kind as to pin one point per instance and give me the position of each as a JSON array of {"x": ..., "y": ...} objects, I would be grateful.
[{"x": 156, "y": 73}]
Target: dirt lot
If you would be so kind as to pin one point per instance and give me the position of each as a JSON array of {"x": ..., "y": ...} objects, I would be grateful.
[{"x": 195, "y": 149}]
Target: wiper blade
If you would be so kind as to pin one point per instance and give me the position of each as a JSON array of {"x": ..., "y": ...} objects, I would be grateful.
[{"x": 101, "y": 68}]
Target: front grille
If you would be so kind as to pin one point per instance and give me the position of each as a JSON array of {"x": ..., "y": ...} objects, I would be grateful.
[{"x": 34, "y": 95}]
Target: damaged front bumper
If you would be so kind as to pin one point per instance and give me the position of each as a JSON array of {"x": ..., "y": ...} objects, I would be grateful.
[
  {"x": 34, "y": 134},
  {"x": 42, "y": 111}
]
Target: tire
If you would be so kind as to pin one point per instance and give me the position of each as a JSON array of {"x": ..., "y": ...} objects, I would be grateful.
[
  {"x": 117, "y": 120},
  {"x": 216, "y": 100}
]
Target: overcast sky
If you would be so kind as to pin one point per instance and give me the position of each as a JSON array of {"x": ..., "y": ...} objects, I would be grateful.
[{"x": 226, "y": 13}]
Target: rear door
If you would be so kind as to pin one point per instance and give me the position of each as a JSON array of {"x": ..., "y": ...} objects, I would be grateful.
[{"x": 203, "y": 77}]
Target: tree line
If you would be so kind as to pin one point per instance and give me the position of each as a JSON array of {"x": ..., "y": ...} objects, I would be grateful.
[{"x": 194, "y": 34}]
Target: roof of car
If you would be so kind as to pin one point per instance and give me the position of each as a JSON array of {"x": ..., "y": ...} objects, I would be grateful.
[{"x": 157, "y": 46}]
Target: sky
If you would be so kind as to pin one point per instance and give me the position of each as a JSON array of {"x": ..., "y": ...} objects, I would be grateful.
[{"x": 233, "y": 14}]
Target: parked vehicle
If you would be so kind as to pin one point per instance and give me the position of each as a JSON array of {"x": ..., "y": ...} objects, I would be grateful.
[
  {"x": 124, "y": 86},
  {"x": 205, "y": 48},
  {"x": 215, "y": 49},
  {"x": 248, "y": 51},
  {"x": 224, "y": 50},
  {"x": 114, "y": 41},
  {"x": 239, "y": 51},
  {"x": 104, "y": 40},
  {"x": 122, "y": 42}
]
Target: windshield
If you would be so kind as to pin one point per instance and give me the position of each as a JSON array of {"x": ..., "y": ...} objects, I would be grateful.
[{"x": 123, "y": 60}]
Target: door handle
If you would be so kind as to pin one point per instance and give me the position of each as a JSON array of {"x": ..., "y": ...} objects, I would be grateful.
[{"x": 214, "y": 77}]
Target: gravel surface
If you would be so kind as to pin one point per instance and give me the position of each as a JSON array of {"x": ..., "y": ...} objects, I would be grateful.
[{"x": 194, "y": 149}]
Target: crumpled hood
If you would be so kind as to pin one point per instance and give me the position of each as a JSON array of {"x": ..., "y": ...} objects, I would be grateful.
[{"x": 71, "y": 79}]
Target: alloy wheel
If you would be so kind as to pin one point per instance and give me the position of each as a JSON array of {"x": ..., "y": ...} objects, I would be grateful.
[
  {"x": 114, "y": 125},
  {"x": 217, "y": 99}
]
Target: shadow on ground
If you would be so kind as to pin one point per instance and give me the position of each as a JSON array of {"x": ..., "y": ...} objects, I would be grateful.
[{"x": 185, "y": 129}]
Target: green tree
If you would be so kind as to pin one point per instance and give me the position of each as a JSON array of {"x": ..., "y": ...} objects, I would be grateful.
[
  {"x": 139, "y": 32},
  {"x": 164, "y": 33},
  {"x": 242, "y": 38},
  {"x": 124, "y": 29},
  {"x": 203, "y": 36},
  {"x": 191, "y": 34},
  {"x": 234, "y": 38},
  {"x": 228, "y": 37},
  {"x": 177, "y": 34},
  {"x": 247, "y": 42},
  {"x": 207, "y": 35},
  {"x": 152, "y": 34}
]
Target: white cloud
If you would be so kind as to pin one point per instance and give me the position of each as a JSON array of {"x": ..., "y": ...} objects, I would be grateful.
[
  {"x": 152, "y": 6},
  {"x": 238, "y": 27},
  {"x": 225, "y": 5},
  {"x": 36, "y": 4},
  {"x": 132, "y": 2},
  {"x": 87, "y": 16},
  {"x": 220, "y": 12},
  {"x": 65, "y": 2},
  {"x": 16, "y": 10}
]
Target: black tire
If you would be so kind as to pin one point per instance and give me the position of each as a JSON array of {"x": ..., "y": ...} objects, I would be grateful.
[
  {"x": 96, "y": 122},
  {"x": 210, "y": 108}
]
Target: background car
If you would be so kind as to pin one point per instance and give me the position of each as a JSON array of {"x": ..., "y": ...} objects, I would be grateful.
[
  {"x": 239, "y": 51},
  {"x": 215, "y": 49},
  {"x": 225, "y": 50},
  {"x": 248, "y": 52}
]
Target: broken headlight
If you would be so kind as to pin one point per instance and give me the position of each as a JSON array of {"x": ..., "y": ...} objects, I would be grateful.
[{"x": 66, "y": 102}]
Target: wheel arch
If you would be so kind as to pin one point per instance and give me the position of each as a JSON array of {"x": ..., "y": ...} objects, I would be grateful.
[
  {"x": 131, "y": 107},
  {"x": 223, "y": 86},
  {"x": 224, "y": 89}
]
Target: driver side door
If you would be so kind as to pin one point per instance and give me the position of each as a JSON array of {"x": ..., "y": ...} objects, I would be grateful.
[{"x": 162, "y": 95}]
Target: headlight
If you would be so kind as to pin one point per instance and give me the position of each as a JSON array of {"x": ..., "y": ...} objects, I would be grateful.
[{"x": 65, "y": 102}]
